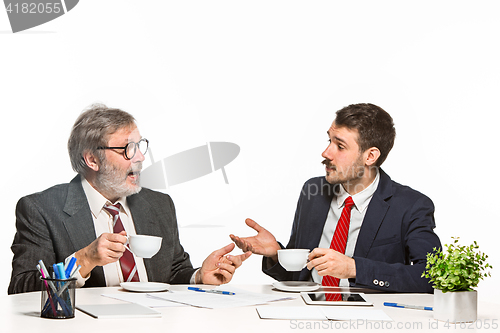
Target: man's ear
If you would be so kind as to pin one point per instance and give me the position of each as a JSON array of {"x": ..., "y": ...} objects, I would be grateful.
[
  {"x": 371, "y": 156},
  {"x": 91, "y": 160}
]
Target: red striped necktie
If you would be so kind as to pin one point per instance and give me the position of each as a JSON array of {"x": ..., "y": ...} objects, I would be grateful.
[
  {"x": 127, "y": 262},
  {"x": 339, "y": 239}
]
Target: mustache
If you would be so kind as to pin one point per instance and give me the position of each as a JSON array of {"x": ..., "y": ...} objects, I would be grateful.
[
  {"x": 136, "y": 168},
  {"x": 328, "y": 163}
]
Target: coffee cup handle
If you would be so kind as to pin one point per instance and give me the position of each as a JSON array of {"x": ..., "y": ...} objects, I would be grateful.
[
  {"x": 128, "y": 247},
  {"x": 307, "y": 261}
]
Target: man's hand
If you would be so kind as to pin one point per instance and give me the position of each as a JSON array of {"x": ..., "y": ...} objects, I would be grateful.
[
  {"x": 107, "y": 248},
  {"x": 331, "y": 262},
  {"x": 263, "y": 243},
  {"x": 219, "y": 268}
]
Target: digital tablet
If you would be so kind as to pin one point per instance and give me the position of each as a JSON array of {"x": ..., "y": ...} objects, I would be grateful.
[{"x": 335, "y": 298}]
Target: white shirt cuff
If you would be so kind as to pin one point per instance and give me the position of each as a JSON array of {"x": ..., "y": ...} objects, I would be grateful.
[
  {"x": 80, "y": 281},
  {"x": 193, "y": 277}
]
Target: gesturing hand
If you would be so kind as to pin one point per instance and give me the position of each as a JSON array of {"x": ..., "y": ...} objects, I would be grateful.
[
  {"x": 263, "y": 243},
  {"x": 218, "y": 267}
]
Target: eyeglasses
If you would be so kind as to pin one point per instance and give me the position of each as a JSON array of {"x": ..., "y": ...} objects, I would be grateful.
[{"x": 131, "y": 148}]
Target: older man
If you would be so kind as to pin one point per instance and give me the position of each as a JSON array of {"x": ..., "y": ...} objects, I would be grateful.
[{"x": 90, "y": 217}]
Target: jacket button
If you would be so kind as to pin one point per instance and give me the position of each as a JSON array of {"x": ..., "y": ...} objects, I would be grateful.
[
  {"x": 387, "y": 284},
  {"x": 375, "y": 282},
  {"x": 381, "y": 283}
]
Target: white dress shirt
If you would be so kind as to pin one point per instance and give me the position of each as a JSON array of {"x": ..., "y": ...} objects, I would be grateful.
[
  {"x": 103, "y": 223},
  {"x": 361, "y": 202}
]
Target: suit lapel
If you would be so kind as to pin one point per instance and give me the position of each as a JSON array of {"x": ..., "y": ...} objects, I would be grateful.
[
  {"x": 375, "y": 214},
  {"x": 319, "y": 213},
  {"x": 316, "y": 216},
  {"x": 143, "y": 214},
  {"x": 79, "y": 224},
  {"x": 146, "y": 222}
]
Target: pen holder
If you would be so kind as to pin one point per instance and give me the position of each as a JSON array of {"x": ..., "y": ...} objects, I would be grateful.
[{"x": 58, "y": 298}]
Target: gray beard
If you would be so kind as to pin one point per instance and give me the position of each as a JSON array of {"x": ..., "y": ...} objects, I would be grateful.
[{"x": 112, "y": 182}]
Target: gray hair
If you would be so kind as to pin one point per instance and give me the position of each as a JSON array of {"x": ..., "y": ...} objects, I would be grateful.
[{"x": 92, "y": 129}]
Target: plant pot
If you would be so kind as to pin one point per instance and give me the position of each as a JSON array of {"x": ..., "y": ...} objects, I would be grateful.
[{"x": 455, "y": 306}]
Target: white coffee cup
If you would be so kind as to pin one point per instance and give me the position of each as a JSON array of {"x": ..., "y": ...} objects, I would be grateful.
[
  {"x": 293, "y": 259},
  {"x": 143, "y": 246}
]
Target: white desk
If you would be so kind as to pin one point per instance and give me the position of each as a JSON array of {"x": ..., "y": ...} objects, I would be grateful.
[{"x": 21, "y": 313}]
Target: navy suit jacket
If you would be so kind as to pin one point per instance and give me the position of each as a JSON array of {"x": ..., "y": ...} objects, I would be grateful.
[
  {"x": 394, "y": 239},
  {"x": 53, "y": 224}
]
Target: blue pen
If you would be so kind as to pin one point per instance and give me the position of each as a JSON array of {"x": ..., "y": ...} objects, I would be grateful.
[
  {"x": 56, "y": 271},
  {"x": 62, "y": 274},
  {"x": 406, "y": 306},
  {"x": 70, "y": 266},
  {"x": 212, "y": 291}
]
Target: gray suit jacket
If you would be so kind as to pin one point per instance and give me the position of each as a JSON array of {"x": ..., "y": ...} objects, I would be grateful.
[{"x": 57, "y": 222}]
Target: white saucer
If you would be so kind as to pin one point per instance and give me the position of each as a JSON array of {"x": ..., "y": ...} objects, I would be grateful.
[
  {"x": 145, "y": 286},
  {"x": 296, "y": 286}
]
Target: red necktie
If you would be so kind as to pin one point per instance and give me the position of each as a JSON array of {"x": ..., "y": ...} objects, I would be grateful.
[
  {"x": 339, "y": 239},
  {"x": 127, "y": 262}
]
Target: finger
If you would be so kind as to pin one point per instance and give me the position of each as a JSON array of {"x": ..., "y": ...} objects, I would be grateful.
[
  {"x": 317, "y": 252},
  {"x": 106, "y": 255},
  {"x": 115, "y": 247},
  {"x": 238, "y": 241},
  {"x": 245, "y": 255},
  {"x": 225, "y": 250},
  {"x": 227, "y": 267},
  {"x": 254, "y": 225},
  {"x": 316, "y": 261},
  {"x": 116, "y": 238},
  {"x": 322, "y": 269},
  {"x": 242, "y": 244},
  {"x": 226, "y": 276},
  {"x": 114, "y": 255},
  {"x": 246, "y": 246},
  {"x": 237, "y": 261},
  {"x": 312, "y": 264}
]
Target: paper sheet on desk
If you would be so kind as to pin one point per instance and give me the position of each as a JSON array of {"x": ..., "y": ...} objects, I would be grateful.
[
  {"x": 217, "y": 301},
  {"x": 142, "y": 299},
  {"x": 257, "y": 297},
  {"x": 320, "y": 313}
]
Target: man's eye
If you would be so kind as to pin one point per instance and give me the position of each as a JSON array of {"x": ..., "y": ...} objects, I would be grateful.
[{"x": 340, "y": 147}]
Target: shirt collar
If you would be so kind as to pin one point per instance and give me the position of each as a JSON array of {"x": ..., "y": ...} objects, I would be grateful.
[
  {"x": 361, "y": 199},
  {"x": 97, "y": 201}
]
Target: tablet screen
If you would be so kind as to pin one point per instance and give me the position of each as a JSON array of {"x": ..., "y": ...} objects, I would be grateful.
[{"x": 335, "y": 297}]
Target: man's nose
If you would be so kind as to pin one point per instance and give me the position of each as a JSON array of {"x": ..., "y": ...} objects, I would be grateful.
[
  {"x": 138, "y": 157},
  {"x": 327, "y": 153}
]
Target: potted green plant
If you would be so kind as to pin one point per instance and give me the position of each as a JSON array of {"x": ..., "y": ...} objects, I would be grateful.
[{"x": 454, "y": 272}]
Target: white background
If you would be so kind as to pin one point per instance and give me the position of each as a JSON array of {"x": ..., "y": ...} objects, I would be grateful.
[{"x": 268, "y": 76}]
